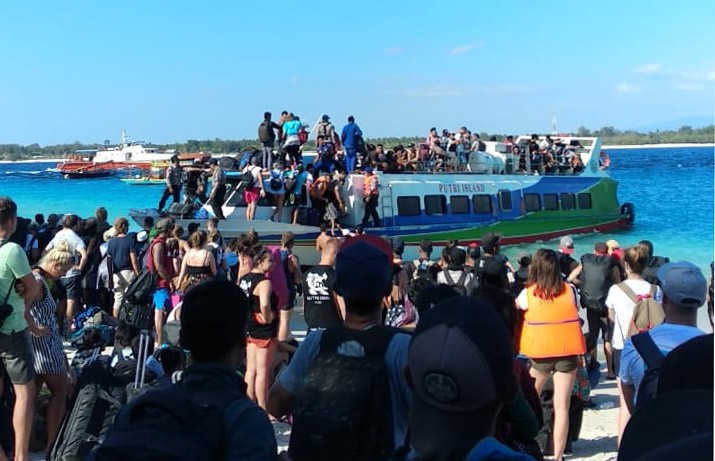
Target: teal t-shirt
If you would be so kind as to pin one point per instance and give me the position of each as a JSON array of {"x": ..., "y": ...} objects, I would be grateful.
[{"x": 13, "y": 266}]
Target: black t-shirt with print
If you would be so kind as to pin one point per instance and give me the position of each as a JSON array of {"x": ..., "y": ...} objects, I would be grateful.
[{"x": 320, "y": 310}]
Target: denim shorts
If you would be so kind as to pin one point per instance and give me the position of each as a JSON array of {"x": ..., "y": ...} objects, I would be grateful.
[{"x": 162, "y": 299}]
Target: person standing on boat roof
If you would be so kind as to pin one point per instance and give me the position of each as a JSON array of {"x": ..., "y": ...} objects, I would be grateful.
[
  {"x": 267, "y": 138},
  {"x": 327, "y": 130},
  {"x": 350, "y": 137},
  {"x": 370, "y": 194},
  {"x": 218, "y": 188},
  {"x": 173, "y": 182}
]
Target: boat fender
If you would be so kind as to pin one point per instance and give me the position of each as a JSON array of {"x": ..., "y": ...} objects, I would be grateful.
[{"x": 628, "y": 211}]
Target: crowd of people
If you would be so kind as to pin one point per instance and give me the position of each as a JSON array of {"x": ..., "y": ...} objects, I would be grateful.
[{"x": 452, "y": 357}]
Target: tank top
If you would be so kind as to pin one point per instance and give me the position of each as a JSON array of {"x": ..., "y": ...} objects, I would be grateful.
[{"x": 255, "y": 328}]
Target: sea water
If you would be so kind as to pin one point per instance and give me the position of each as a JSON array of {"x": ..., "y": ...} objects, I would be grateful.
[{"x": 672, "y": 190}]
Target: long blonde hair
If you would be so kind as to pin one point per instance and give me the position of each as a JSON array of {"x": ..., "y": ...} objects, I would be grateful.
[{"x": 60, "y": 254}]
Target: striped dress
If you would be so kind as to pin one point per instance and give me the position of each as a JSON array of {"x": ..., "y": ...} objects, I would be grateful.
[{"x": 49, "y": 355}]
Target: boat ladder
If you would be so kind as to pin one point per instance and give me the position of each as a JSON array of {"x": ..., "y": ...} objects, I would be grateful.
[{"x": 387, "y": 206}]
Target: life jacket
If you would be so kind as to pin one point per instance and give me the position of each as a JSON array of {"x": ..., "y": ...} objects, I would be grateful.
[
  {"x": 596, "y": 280},
  {"x": 369, "y": 186},
  {"x": 551, "y": 326}
]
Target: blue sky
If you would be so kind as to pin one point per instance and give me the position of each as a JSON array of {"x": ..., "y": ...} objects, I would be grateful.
[{"x": 174, "y": 70}]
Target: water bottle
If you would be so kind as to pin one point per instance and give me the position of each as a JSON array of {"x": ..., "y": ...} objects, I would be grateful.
[{"x": 606, "y": 405}]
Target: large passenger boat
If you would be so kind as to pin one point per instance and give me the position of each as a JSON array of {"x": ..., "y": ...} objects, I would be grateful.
[{"x": 492, "y": 195}]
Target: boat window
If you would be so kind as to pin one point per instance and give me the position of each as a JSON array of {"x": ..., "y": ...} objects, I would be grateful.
[
  {"x": 551, "y": 202},
  {"x": 459, "y": 204},
  {"x": 408, "y": 206},
  {"x": 505, "y": 200},
  {"x": 482, "y": 203},
  {"x": 435, "y": 204},
  {"x": 568, "y": 201},
  {"x": 584, "y": 201},
  {"x": 532, "y": 202}
]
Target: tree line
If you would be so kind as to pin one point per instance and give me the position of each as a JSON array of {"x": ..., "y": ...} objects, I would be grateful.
[{"x": 608, "y": 134}]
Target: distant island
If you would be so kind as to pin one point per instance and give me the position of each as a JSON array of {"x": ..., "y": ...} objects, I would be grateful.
[{"x": 609, "y": 136}]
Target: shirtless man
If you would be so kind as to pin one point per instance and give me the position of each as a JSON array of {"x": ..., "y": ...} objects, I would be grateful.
[{"x": 322, "y": 238}]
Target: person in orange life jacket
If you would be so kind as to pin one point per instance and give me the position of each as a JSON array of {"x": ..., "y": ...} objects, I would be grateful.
[
  {"x": 551, "y": 336},
  {"x": 370, "y": 194},
  {"x": 598, "y": 272},
  {"x": 160, "y": 262}
]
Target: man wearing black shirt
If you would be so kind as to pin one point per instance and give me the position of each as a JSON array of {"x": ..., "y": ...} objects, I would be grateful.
[
  {"x": 322, "y": 307},
  {"x": 566, "y": 262},
  {"x": 490, "y": 269}
]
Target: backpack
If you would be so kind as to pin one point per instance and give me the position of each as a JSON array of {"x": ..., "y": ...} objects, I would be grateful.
[
  {"x": 647, "y": 313},
  {"x": 653, "y": 359},
  {"x": 247, "y": 178},
  {"x": 265, "y": 132},
  {"x": 141, "y": 289},
  {"x": 421, "y": 269},
  {"x": 596, "y": 279},
  {"x": 457, "y": 286},
  {"x": 166, "y": 424},
  {"x": 343, "y": 408},
  {"x": 276, "y": 182},
  {"x": 302, "y": 135},
  {"x": 289, "y": 183}
]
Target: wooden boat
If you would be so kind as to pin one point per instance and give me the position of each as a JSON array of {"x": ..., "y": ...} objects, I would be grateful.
[{"x": 83, "y": 174}]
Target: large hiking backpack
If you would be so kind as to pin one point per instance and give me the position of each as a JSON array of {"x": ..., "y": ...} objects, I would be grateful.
[
  {"x": 343, "y": 409},
  {"x": 457, "y": 286},
  {"x": 647, "y": 313},
  {"x": 596, "y": 279},
  {"x": 653, "y": 359},
  {"x": 96, "y": 402},
  {"x": 136, "y": 307},
  {"x": 247, "y": 179},
  {"x": 650, "y": 273},
  {"x": 166, "y": 424}
]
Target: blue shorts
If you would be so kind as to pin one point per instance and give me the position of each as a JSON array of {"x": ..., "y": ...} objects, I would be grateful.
[{"x": 162, "y": 299}]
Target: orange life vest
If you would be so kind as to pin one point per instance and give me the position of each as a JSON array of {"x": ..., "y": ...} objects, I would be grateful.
[
  {"x": 369, "y": 185},
  {"x": 551, "y": 327}
]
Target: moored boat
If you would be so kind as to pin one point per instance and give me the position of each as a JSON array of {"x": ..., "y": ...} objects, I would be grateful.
[{"x": 493, "y": 195}]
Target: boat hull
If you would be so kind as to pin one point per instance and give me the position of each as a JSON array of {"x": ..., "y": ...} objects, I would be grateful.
[{"x": 143, "y": 182}]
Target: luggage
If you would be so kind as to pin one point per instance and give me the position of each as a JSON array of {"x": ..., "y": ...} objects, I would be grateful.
[
  {"x": 140, "y": 315},
  {"x": 138, "y": 387},
  {"x": 181, "y": 210},
  {"x": 97, "y": 399}
]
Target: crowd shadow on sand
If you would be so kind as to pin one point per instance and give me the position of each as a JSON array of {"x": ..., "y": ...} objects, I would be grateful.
[{"x": 586, "y": 448}]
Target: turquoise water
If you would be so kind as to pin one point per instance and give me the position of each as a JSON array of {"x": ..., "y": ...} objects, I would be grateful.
[{"x": 672, "y": 189}]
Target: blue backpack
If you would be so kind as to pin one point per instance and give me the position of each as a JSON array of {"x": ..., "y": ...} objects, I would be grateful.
[{"x": 653, "y": 359}]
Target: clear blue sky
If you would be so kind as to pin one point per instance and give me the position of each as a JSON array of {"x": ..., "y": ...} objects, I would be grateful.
[{"x": 174, "y": 70}]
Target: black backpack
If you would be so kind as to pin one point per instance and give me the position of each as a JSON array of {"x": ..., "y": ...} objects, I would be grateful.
[
  {"x": 247, "y": 179},
  {"x": 457, "y": 286},
  {"x": 596, "y": 280},
  {"x": 166, "y": 424},
  {"x": 343, "y": 409},
  {"x": 653, "y": 358}
]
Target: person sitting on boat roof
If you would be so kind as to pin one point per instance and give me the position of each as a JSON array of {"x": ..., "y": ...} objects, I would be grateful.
[{"x": 173, "y": 183}]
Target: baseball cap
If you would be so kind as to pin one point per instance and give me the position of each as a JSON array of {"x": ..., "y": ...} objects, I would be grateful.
[
  {"x": 142, "y": 236},
  {"x": 363, "y": 268},
  {"x": 489, "y": 241},
  {"x": 460, "y": 361},
  {"x": 683, "y": 283},
  {"x": 566, "y": 245},
  {"x": 326, "y": 117},
  {"x": 368, "y": 169},
  {"x": 163, "y": 224}
]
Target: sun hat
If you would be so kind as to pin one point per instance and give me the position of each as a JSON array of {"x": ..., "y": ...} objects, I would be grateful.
[
  {"x": 683, "y": 283},
  {"x": 142, "y": 236}
]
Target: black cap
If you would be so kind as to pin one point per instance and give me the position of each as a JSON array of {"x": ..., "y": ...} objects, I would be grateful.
[{"x": 489, "y": 241}]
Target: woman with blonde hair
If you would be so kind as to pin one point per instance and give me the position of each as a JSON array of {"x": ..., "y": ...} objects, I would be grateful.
[
  {"x": 262, "y": 328},
  {"x": 551, "y": 336},
  {"x": 198, "y": 263},
  {"x": 621, "y": 301},
  {"x": 50, "y": 361}
]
